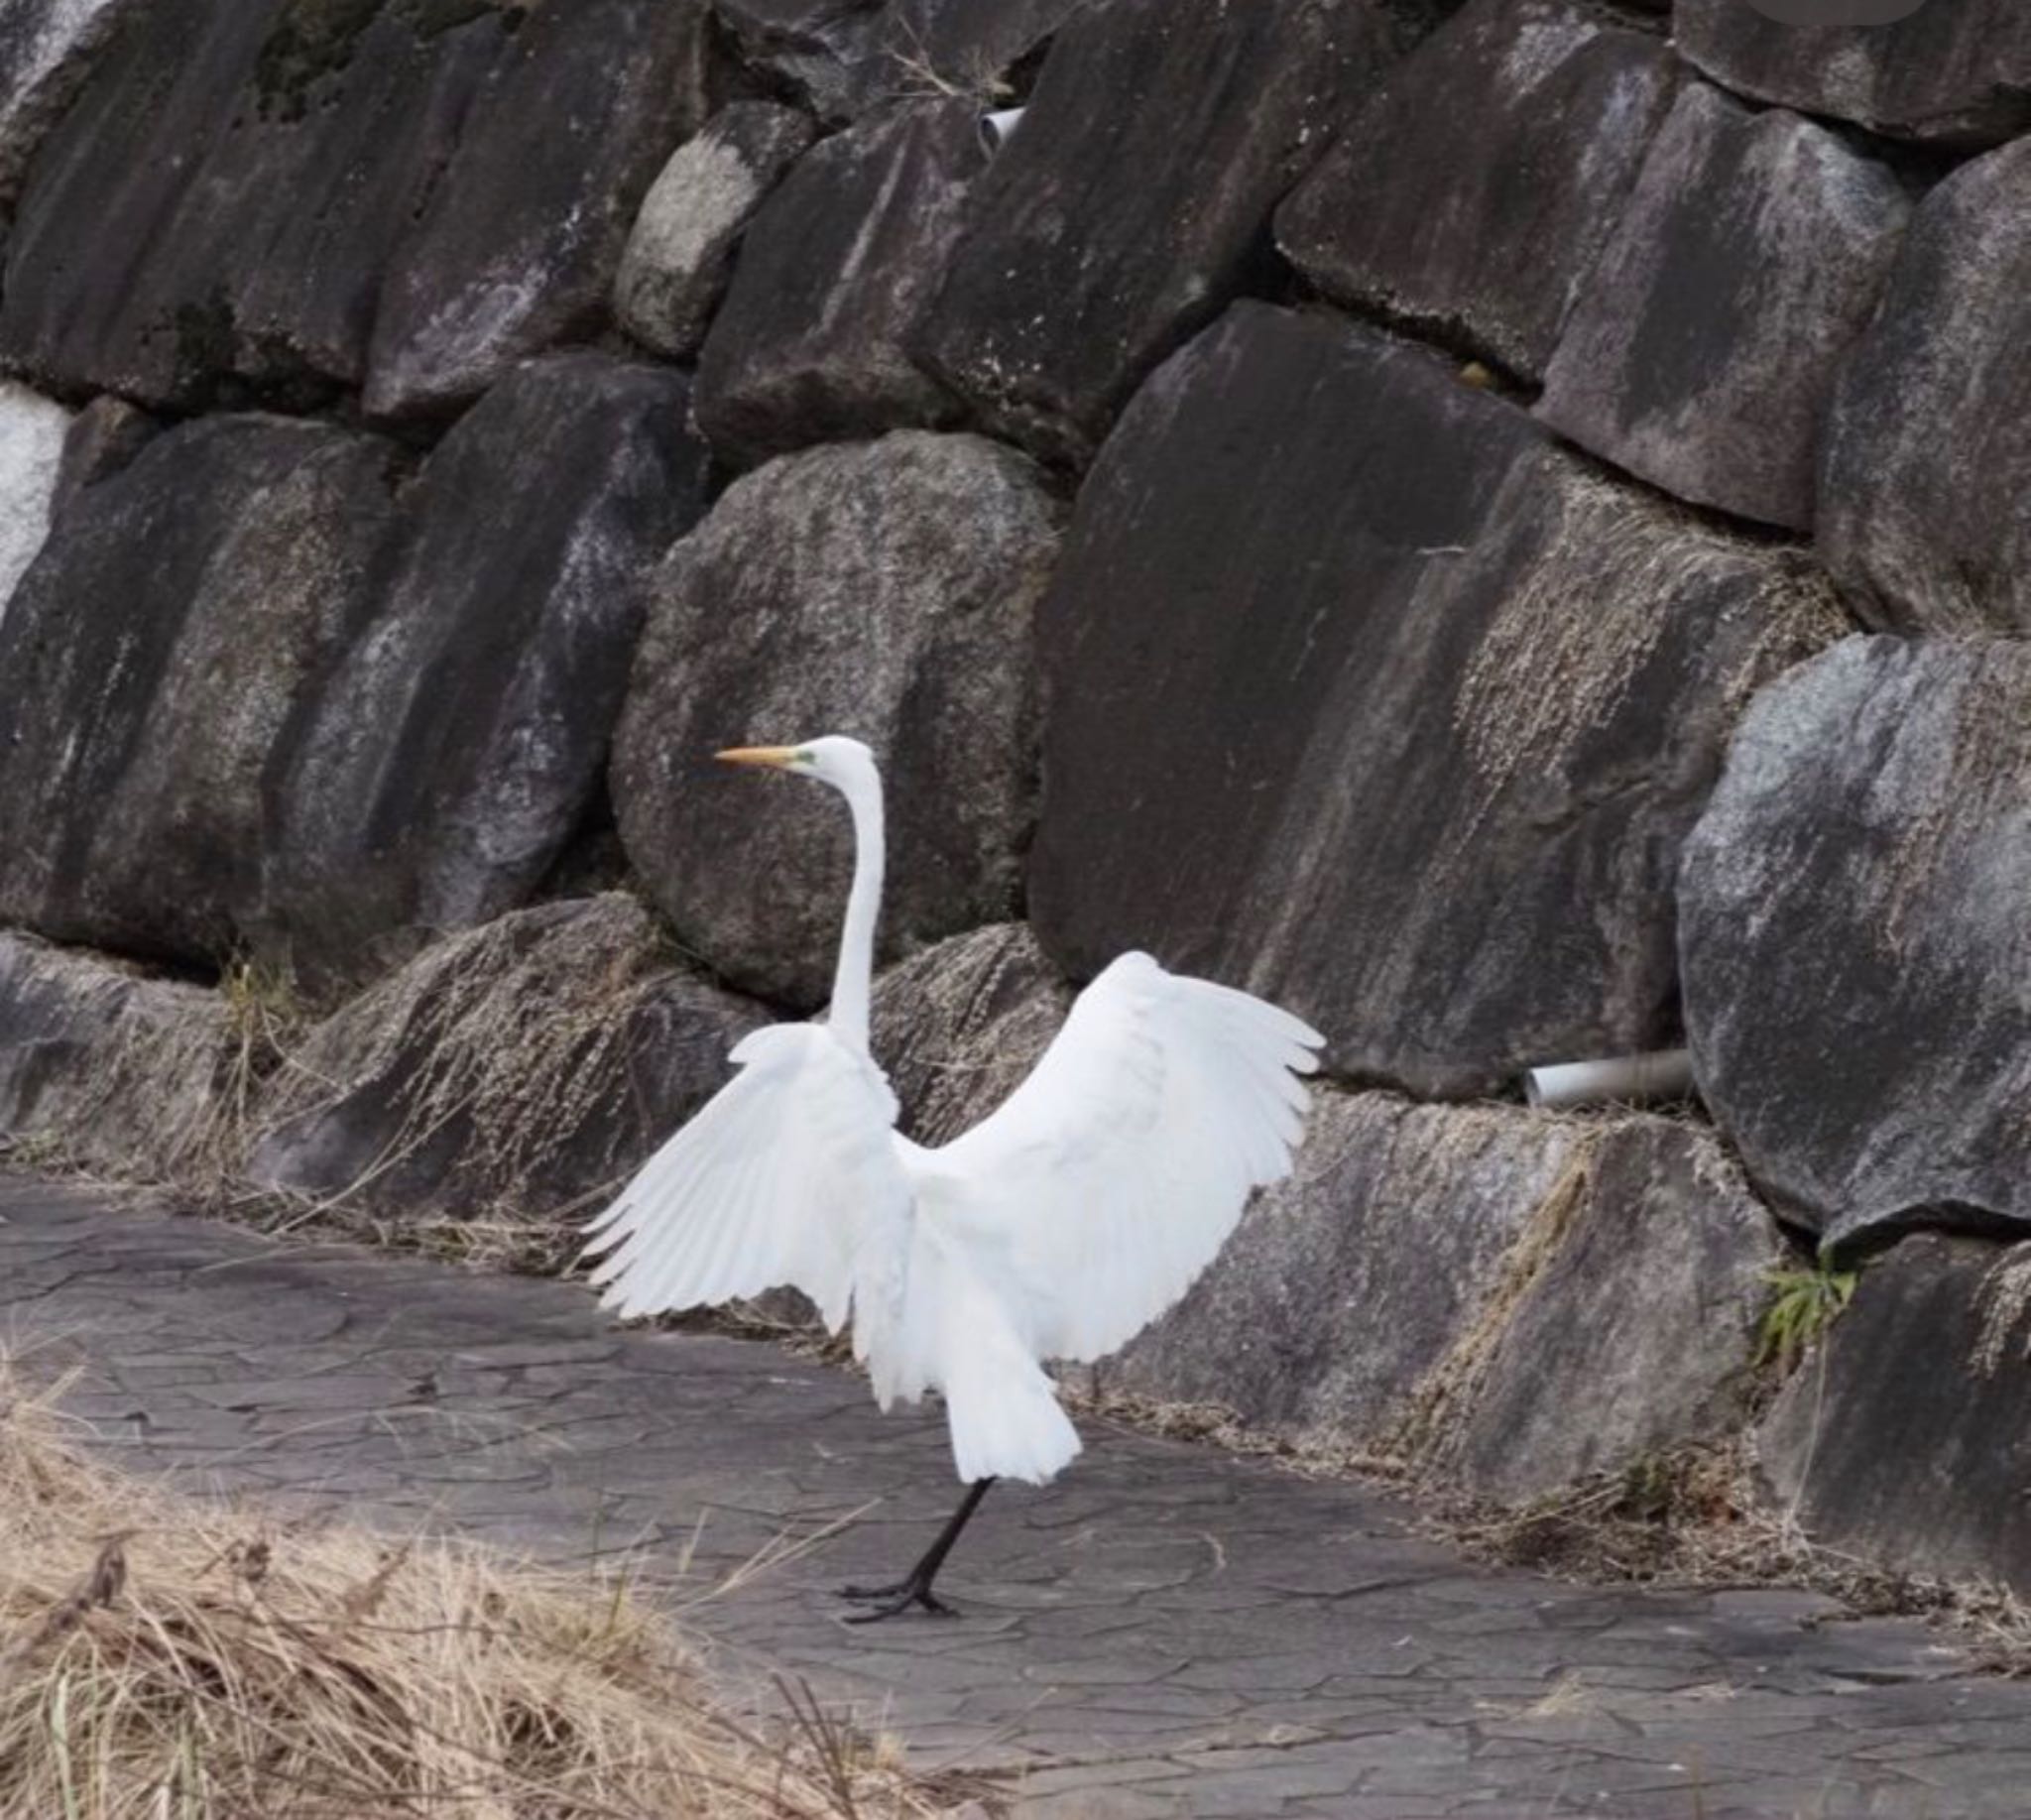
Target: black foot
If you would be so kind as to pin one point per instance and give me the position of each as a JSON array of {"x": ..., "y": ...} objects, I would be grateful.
[{"x": 894, "y": 1601}]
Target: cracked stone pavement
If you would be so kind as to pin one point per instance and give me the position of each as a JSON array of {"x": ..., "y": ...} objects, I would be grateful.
[{"x": 1163, "y": 1631}]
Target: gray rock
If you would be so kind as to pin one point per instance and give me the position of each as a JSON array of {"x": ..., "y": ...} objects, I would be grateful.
[
  {"x": 813, "y": 47},
  {"x": 1958, "y": 73},
  {"x": 834, "y": 280},
  {"x": 1134, "y": 201},
  {"x": 523, "y": 234},
  {"x": 884, "y": 590},
  {"x": 442, "y": 767},
  {"x": 959, "y": 1027},
  {"x": 32, "y": 432},
  {"x": 1705, "y": 345},
  {"x": 1346, "y": 1287},
  {"x": 1474, "y": 195},
  {"x": 682, "y": 245},
  {"x": 103, "y": 437},
  {"x": 518, "y": 1071},
  {"x": 1362, "y": 697},
  {"x": 104, "y": 1068},
  {"x": 345, "y": 179},
  {"x": 1504, "y": 1299},
  {"x": 1904, "y": 1440},
  {"x": 151, "y": 658},
  {"x": 1634, "y": 1332},
  {"x": 45, "y": 48},
  {"x": 306, "y": 141},
  {"x": 1855, "y": 912},
  {"x": 1928, "y": 450}
]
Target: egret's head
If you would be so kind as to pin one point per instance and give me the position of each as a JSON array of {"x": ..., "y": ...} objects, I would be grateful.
[{"x": 833, "y": 760}]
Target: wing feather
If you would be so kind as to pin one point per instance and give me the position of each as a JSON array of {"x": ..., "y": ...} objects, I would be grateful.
[
  {"x": 790, "y": 1174},
  {"x": 1113, "y": 1174}
]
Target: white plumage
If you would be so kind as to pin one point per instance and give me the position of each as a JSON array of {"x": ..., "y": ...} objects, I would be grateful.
[{"x": 1055, "y": 1229}]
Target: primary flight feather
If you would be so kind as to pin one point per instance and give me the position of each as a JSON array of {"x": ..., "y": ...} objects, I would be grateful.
[{"x": 1056, "y": 1228}]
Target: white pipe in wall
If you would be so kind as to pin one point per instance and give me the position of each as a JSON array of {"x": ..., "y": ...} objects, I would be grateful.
[
  {"x": 995, "y": 128},
  {"x": 1666, "y": 1074}
]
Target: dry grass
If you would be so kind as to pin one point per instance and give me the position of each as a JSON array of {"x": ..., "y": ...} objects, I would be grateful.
[{"x": 164, "y": 1658}]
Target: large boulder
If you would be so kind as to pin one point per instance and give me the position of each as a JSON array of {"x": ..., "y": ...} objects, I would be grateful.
[
  {"x": 959, "y": 1028},
  {"x": 884, "y": 590},
  {"x": 348, "y": 182},
  {"x": 517, "y": 1072},
  {"x": 682, "y": 246},
  {"x": 837, "y": 269},
  {"x": 1134, "y": 201},
  {"x": 1474, "y": 195},
  {"x": 33, "y": 433},
  {"x": 441, "y": 771},
  {"x": 45, "y": 48},
  {"x": 305, "y": 140},
  {"x": 1364, "y": 697},
  {"x": 1505, "y": 1300},
  {"x": 1346, "y": 1287},
  {"x": 1929, "y": 441},
  {"x": 518, "y": 243},
  {"x": 151, "y": 659},
  {"x": 1953, "y": 72},
  {"x": 104, "y": 1068},
  {"x": 1635, "y": 1329},
  {"x": 1855, "y": 916},
  {"x": 1907, "y": 1441},
  {"x": 1706, "y": 343}
]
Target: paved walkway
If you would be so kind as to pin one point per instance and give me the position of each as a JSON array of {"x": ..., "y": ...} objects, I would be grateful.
[{"x": 1164, "y": 1633}]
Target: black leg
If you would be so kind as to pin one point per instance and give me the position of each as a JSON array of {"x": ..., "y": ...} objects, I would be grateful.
[{"x": 914, "y": 1588}]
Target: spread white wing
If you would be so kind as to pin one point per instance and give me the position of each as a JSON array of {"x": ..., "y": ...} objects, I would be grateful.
[
  {"x": 1112, "y": 1176},
  {"x": 788, "y": 1175}
]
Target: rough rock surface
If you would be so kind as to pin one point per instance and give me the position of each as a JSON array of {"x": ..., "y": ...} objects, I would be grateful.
[
  {"x": 1906, "y": 1442},
  {"x": 45, "y": 48},
  {"x": 813, "y": 47},
  {"x": 107, "y": 1069},
  {"x": 32, "y": 432},
  {"x": 1706, "y": 343},
  {"x": 884, "y": 590},
  {"x": 441, "y": 771},
  {"x": 1504, "y": 1300},
  {"x": 1346, "y": 1286},
  {"x": 305, "y": 139},
  {"x": 1855, "y": 912},
  {"x": 1957, "y": 72},
  {"x": 834, "y": 280},
  {"x": 335, "y": 176},
  {"x": 102, "y": 440},
  {"x": 515, "y": 1072},
  {"x": 1929, "y": 440},
  {"x": 682, "y": 243},
  {"x": 1633, "y": 1329},
  {"x": 1104, "y": 234},
  {"x": 151, "y": 659},
  {"x": 519, "y": 241},
  {"x": 959, "y": 1027},
  {"x": 1475, "y": 194},
  {"x": 1357, "y": 686}
]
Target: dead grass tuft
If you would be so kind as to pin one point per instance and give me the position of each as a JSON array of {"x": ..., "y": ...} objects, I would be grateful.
[{"x": 162, "y": 1658}]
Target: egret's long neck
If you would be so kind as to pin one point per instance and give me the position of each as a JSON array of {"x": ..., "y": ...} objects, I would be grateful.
[{"x": 853, "y": 982}]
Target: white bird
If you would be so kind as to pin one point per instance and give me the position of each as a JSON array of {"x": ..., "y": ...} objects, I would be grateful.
[{"x": 1056, "y": 1228}]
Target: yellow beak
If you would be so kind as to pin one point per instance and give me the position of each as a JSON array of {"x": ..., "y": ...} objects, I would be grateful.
[{"x": 777, "y": 758}]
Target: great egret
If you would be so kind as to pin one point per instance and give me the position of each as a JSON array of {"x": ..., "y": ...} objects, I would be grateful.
[{"x": 1054, "y": 1229}]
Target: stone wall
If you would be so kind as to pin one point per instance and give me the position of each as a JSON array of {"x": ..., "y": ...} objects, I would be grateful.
[{"x": 1497, "y": 525}]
